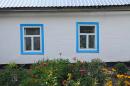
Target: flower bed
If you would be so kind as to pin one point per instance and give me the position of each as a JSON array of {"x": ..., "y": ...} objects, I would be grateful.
[{"x": 63, "y": 73}]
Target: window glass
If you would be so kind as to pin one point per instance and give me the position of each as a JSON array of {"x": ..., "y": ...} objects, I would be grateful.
[
  {"x": 82, "y": 41},
  {"x": 27, "y": 43},
  {"x": 32, "y": 31},
  {"x": 32, "y": 38},
  {"x": 87, "y": 29},
  {"x": 36, "y": 43},
  {"x": 91, "y": 41}
]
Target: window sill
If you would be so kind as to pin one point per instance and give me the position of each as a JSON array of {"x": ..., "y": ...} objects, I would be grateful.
[
  {"x": 32, "y": 53},
  {"x": 87, "y": 51}
]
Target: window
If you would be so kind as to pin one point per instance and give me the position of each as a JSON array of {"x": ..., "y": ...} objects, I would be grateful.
[
  {"x": 87, "y": 37},
  {"x": 32, "y": 39}
]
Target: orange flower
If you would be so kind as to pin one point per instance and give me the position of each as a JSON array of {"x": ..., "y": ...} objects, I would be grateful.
[
  {"x": 44, "y": 64},
  {"x": 64, "y": 82},
  {"x": 128, "y": 77},
  {"x": 34, "y": 76},
  {"x": 127, "y": 83},
  {"x": 125, "y": 76},
  {"x": 82, "y": 72}
]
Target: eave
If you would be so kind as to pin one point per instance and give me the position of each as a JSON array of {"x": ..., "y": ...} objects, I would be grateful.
[{"x": 67, "y": 9}]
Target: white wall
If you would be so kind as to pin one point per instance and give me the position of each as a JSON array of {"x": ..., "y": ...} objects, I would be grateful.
[{"x": 60, "y": 35}]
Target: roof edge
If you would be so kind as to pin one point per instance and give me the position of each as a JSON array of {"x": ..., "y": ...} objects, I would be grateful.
[{"x": 66, "y": 9}]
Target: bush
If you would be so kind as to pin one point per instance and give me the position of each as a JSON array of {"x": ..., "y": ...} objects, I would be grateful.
[
  {"x": 121, "y": 68},
  {"x": 88, "y": 81},
  {"x": 47, "y": 73},
  {"x": 55, "y": 73},
  {"x": 12, "y": 75},
  {"x": 95, "y": 70}
]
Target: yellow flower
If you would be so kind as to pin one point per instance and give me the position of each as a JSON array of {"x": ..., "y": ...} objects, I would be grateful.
[
  {"x": 69, "y": 76},
  {"x": 109, "y": 83},
  {"x": 125, "y": 76},
  {"x": 128, "y": 77},
  {"x": 113, "y": 69},
  {"x": 121, "y": 76},
  {"x": 104, "y": 69},
  {"x": 127, "y": 83}
]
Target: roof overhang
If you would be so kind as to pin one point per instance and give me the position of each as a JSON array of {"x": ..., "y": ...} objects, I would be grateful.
[{"x": 67, "y": 9}]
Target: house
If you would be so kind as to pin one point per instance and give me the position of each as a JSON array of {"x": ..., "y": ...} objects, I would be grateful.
[{"x": 32, "y": 30}]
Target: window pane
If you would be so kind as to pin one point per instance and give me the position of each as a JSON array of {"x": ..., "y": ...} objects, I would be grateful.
[
  {"x": 32, "y": 31},
  {"x": 87, "y": 29},
  {"x": 82, "y": 41},
  {"x": 27, "y": 43},
  {"x": 91, "y": 41},
  {"x": 36, "y": 43}
]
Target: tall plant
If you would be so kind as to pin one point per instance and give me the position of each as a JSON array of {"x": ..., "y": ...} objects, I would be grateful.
[
  {"x": 12, "y": 75},
  {"x": 95, "y": 71}
]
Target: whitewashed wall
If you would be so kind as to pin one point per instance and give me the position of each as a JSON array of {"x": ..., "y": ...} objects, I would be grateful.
[{"x": 60, "y": 35}]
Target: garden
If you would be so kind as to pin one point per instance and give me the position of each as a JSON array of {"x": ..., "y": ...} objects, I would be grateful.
[{"x": 61, "y": 72}]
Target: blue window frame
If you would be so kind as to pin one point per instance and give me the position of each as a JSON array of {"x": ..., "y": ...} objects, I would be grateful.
[
  {"x": 87, "y": 37},
  {"x": 32, "y": 39}
]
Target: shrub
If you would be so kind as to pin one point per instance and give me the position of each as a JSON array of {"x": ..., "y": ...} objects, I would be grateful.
[
  {"x": 12, "y": 75},
  {"x": 88, "y": 81},
  {"x": 47, "y": 73},
  {"x": 78, "y": 69},
  {"x": 55, "y": 73},
  {"x": 95, "y": 70},
  {"x": 121, "y": 68}
]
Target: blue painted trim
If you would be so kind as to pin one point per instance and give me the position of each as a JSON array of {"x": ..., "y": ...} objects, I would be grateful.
[
  {"x": 42, "y": 35},
  {"x": 78, "y": 50},
  {"x": 22, "y": 40},
  {"x": 32, "y": 53}
]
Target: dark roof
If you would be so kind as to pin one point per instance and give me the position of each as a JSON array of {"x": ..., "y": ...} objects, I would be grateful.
[{"x": 60, "y": 3}]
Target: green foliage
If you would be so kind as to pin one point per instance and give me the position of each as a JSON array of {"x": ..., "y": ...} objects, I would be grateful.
[
  {"x": 12, "y": 66},
  {"x": 76, "y": 68},
  {"x": 47, "y": 73},
  {"x": 121, "y": 68},
  {"x": 87, "y": 81},
  {"x": 120, "y": 82},
  {"x": 12, "y": 75},
  {"x": 95, "y": 70},
  {"x": 55, "y": 73}
]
